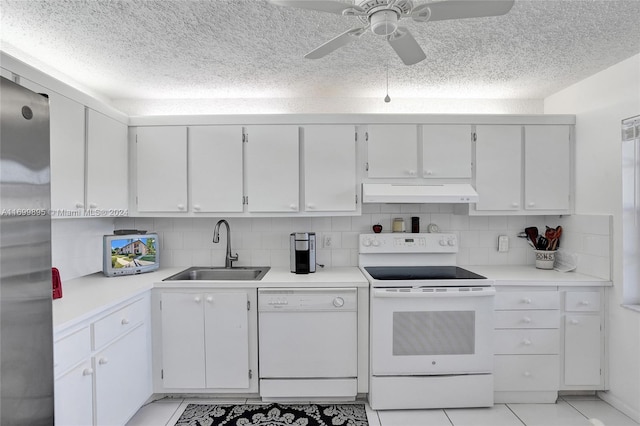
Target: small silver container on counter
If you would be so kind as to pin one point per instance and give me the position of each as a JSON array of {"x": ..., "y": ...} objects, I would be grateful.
[{"x": 303, "y": 252}]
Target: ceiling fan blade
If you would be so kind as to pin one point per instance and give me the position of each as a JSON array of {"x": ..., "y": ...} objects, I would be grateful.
[
  {"x": 460, "y": 9},
  {"x": 318, "y": 5},
  {"x": 406, "y": 46},
  {"x": 335, "y": 43}
]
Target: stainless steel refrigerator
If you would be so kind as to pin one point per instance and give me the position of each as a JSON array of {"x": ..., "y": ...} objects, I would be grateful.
[
  {"x": 631, "y": 210},
  {"x": 26, "y": 335}
]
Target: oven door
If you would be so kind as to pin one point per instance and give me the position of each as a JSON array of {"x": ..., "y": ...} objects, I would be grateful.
[{"x": 431, "y": 330}]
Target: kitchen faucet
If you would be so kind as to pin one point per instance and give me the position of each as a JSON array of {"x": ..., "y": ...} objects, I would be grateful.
[{"x": 228, "y": 260}]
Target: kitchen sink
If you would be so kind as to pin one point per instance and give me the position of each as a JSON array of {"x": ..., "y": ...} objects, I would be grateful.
[{"x": 204, "y": 273}]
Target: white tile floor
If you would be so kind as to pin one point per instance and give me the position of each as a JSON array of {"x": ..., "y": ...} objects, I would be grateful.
[{"x": 568, "y": 411}]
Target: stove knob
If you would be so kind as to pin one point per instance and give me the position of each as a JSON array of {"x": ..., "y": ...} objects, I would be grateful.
[
  {"x": 338, "y": 302},
  {"x": 375, "y": 243},
  {"x": 366, "y": 243},
  {"x": 443, "y": 242},
  {"x": 452, "y": 242}
]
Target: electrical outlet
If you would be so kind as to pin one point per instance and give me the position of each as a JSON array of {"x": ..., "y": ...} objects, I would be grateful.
[
  {"x": 503, "y": 243},
  {"x": 327, "y": 241}
]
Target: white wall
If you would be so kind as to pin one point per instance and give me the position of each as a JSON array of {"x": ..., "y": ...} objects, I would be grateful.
[{"x": 600, "y": 102}]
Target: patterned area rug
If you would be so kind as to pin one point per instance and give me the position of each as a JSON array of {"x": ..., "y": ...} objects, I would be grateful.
[{"x": 273, "y": 415}]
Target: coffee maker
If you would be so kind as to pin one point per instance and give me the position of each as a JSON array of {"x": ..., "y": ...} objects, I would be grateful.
[{"x": 303, "y": 252}]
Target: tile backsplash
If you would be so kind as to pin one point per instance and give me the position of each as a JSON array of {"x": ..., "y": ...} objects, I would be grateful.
[{"x": 77, "y": 243}]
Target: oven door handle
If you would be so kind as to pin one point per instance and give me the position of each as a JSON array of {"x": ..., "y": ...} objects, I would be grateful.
[{"x": 384, "y": 293}]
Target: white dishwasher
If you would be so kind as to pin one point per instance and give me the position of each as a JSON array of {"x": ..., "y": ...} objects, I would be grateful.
[{"x": 308, "y": 343}]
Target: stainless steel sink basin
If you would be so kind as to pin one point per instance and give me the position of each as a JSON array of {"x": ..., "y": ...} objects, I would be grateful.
[{"x": 203, "y": 273}]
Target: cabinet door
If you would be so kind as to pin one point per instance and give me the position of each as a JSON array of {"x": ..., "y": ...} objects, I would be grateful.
[
  {"x": 67, "y": 134},
  {"x": 123, "y": 378},
  {"x": 161, "y": 169},
  {"x": 446, "y": 151},
  {"x": 498, "y": 167},
  {"x": 547, "y": 167},
  {"x": 74, "y": 397},
  {"x": 273, "y": 168},
  {"x": 215, "y": 168},
  {"x": 183, "y": 360},
  {"x": 227, "y": 340},
  {"x": 582, "y": 350},
  {"x": 329, "y": 168},
  {"x": 107, "y": 164},
  {"x": 392, "y": 151}
]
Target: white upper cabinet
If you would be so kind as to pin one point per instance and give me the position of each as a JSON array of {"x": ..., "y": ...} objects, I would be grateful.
[
  {"x": 67, "y": 142},
  {"x": 273, "y": 168},
  {"x": 161, "y": 169},
  {"x": 329, "y": 168},
  {"x": 498, "y": 167},
  {"x": 446, "y": 151},
  {"x": 547, "y": 170},
  {"x": 107, "y": 166},
  {"x": 526, "y": 175},
  {"x": 392, "y": 151},
  {"x": 215, "y": 169}
]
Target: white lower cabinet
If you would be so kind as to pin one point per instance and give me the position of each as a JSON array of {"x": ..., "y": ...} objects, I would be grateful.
[
  {"x": 208, "y": 341},
  {"x": 102, "y": 368},
  {"x": 583, "y": 339},
  {"x": 527, "y": 345}
]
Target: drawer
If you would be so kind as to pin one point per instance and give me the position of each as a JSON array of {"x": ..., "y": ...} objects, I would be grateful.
[
  {"x": 526, "y": 372},
  {"x": 506, "y": 300},
  {"x": 527, "y": 319},
  {"x": 510, "y": 342},
  {"x": 582, "y": 301},
  {"x": 71, "y": 349},
  {"x": 119, "y": 322}
]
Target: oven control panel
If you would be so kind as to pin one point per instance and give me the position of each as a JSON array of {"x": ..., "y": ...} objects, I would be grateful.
[{"x": 408, "y": 243}]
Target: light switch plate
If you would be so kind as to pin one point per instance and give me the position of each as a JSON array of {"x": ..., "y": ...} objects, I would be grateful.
[{"x": 503, "y": 243}]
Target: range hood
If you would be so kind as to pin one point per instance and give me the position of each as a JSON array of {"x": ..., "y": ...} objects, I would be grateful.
[{"x": 405, "y": 193}]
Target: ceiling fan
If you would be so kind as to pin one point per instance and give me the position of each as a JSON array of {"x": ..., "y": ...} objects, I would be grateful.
[{"x": 382, "y": 18}]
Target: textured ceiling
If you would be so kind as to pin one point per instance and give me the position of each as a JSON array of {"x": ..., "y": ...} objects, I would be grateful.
[{"x": 196, "y": 49}]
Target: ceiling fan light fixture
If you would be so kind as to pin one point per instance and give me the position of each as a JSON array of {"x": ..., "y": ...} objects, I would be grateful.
[{"x": 384, "y": 22}]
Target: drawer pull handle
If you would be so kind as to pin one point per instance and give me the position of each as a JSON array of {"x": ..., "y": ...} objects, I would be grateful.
[
  {"x": 124, "y": 321},
  {"x": 526, "y": 301},
  {"x": 526, "y": 320},
  {"x": 526, "y": 342},
  {"x": 584, "y": 303},
  {"x": 527, "y": 374},
  {"x": 87, "y": 372},
  {"x": 574, "y": 321},
  {"x": 103, "y": 361}
]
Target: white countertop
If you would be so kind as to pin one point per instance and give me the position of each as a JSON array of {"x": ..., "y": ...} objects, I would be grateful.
[
  {"x": 89, "y": 295},
  {"x": 529, "y": 275}
]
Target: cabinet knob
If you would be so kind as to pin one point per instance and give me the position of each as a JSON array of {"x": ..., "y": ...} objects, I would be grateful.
[
  {"x": 526, "y": 342},
  {"x": 584, "y": 303},
  {"x": 293, "y": 206},
  {"x": 209, "y": 299},
  {"x": 93, "y": 205},
  {"x": 196, "y": 207},
  {"x": 311, "y": 206},
  {"x": 411, "y": 172},
  {"x": 125, "y": 321},
  {"x": 103, "y": 361},
  {"x": 79, "y": 205},
  {"x": 180, "y": 206},
  {"x": 526, "y": 374},
  {"x": 526, "y": 320},
  {"x": 574, "y": 322},
  {"x": 515, "y": 205},
  {"x": 87, "y": 372},
  {"x": 526, "y": 301},
  {"x": 428, "y": 172},
  {"x": 197, "y": 299},
  {"x": 531, "y": 204}
]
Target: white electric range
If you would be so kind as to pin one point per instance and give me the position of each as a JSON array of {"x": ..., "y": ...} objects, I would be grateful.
[{"x": 431, "y": 325}]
